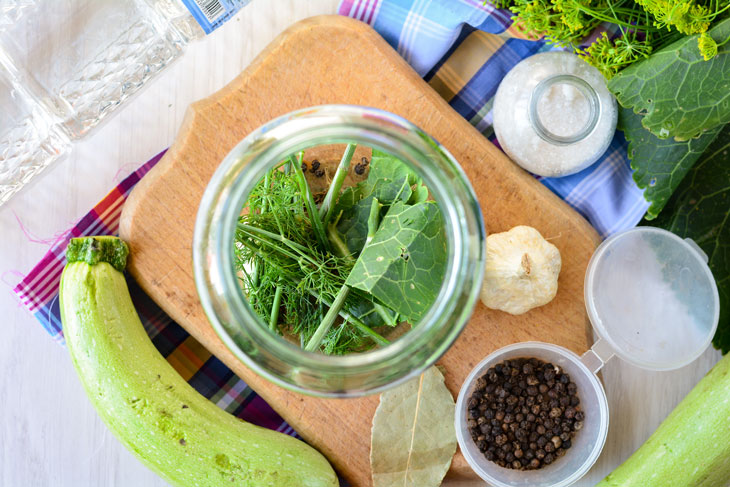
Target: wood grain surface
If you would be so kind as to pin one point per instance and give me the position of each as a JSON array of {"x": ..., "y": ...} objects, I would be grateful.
[{"x": 338, "y": 60}]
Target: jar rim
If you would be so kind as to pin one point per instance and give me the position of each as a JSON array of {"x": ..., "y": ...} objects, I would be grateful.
[{"x": 241, "y": 328}]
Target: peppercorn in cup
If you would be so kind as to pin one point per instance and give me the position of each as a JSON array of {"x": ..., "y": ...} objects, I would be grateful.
[{"x": 531, "y": 414}]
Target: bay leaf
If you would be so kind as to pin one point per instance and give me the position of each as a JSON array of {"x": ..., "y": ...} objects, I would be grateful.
[{"x": 413, "y": 436}]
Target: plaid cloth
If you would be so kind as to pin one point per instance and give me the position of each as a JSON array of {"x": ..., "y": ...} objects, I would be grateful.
[{"x": 463, "y": 49}]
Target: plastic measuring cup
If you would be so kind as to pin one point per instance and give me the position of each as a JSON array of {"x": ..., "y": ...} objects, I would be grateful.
[{"x": 652, "y": 301}]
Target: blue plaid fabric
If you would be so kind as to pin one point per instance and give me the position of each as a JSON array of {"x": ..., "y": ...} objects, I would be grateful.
[{"x": 463, "y": 49}]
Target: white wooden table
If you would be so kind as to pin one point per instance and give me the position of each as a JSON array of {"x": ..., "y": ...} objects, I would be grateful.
[{"x": 49, "y": 434}]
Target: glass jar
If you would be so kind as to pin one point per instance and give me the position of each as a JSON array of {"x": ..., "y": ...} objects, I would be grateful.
[
  {"x": 553, "y": 114},
  {"x": 241, "y": 329}
]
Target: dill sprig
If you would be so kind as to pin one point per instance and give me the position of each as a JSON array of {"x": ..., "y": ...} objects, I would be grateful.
[
  {"x": 291, "y": 279},
  {"x": 645, "y": 26}
]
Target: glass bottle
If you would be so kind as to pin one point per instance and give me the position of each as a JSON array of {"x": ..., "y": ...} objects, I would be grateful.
[
  {"x": 66, "y": 65},
  {"x": 553, "y": 114}
]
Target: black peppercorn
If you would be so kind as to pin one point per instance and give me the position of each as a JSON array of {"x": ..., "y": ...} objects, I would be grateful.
[
  {"x": 524, "y": 413},
  {"x": 549, "y": 372},
  {"x": 360, "y": 166}
]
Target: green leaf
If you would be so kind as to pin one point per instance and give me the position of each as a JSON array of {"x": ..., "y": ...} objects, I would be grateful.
[
  {"x": 700, "y": 210},
  {"x": 364, "y": 309},
  {"x": 659, "y": 164},
  {"x": 420, "y": 194},
  {"x": 404, "y": 264},
  {"x": 413, "y": 437},
  {"x": 680, "y": 94},
  {"x": 384, "y": 166},
  {"x": 353, "y": 209},
  {"x": 389, "y": 179}
]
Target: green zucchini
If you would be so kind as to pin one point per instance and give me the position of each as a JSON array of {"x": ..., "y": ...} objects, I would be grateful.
[
  {"x": 691, "y": 447},
  {"x": 158, "y": 416}
]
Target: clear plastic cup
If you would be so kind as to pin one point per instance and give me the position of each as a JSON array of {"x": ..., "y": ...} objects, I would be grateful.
[
  {"x": 588, "y": 441},
  {"x": 652, "y": 301},
  {"x": 651, "y": 298}
]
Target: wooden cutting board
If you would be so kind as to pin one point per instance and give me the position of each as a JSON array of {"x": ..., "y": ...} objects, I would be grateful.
[{"x": 333, "y": 59}]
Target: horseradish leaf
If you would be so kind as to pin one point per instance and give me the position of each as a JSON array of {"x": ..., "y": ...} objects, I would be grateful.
[{"x": 403, "y": 266}]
